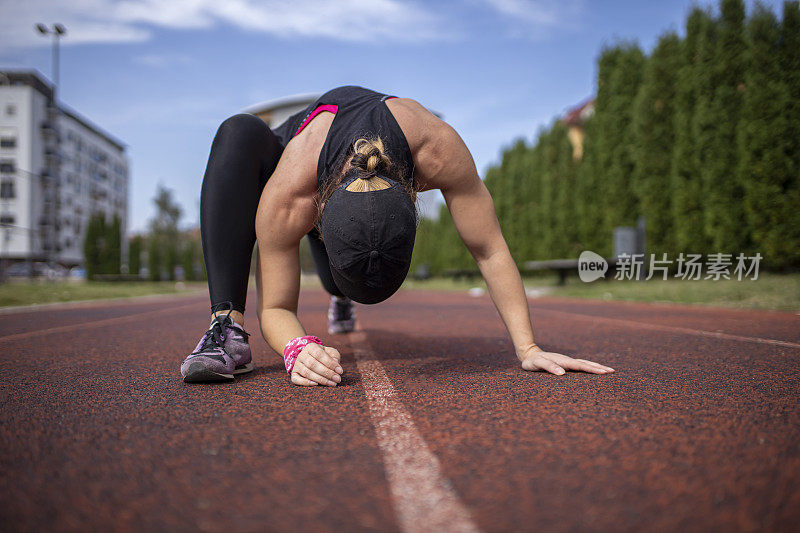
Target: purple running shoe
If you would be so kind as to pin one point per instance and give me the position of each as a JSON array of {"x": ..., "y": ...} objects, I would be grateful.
[
  {"x": 341, "y": 316},
  {"x": 223, "y": 352}
]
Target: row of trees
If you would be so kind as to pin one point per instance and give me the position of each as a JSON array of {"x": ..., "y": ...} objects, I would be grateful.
[
  {"x": 165, "y": 252},
  {"x": 102, "y": 246},
  {"x": 169, "y": 252},
  {"x": 702, "y": 137}
]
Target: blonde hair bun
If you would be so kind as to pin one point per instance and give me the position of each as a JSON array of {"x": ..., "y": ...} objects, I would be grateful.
[{"x": 369, "y": 157}]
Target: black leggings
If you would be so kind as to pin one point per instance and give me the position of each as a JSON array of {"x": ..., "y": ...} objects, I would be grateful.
[{"x": 243, "y": 156}]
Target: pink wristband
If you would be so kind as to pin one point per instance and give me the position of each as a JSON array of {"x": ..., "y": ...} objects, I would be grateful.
[{"x": 293, "y": 349}]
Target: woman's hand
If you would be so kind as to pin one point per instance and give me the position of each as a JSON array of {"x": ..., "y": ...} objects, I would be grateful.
[
  {"x": 534, "y": 358},
  {"x": 317, "y": 365}
]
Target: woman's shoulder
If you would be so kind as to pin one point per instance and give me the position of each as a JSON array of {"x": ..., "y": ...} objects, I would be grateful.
[
  {"x": 430, "y": 139},
  {"x": 419, "y": 125}
]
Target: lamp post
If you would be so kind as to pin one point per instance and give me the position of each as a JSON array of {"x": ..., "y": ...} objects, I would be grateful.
[
  {"x": 56, "y": 31},
  {"x": 51, "y": 187}
]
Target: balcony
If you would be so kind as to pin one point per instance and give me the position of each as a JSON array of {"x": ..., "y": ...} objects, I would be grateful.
[{"x": 50, "y": 131}]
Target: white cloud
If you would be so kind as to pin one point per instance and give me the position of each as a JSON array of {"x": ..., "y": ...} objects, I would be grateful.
[
  {"x": 17, "y": 20},
  {"x": 538, "y": 16},
  {"x": 162, "y": 60},
  {"x": 118, "y": 21},
  {"x": 110, "y": 21}
]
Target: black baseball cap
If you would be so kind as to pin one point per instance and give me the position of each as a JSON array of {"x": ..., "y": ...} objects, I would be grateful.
[{"x": 369, "y": 237}]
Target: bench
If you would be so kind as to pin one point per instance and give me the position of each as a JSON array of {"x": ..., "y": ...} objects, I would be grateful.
[{"x": 562, "y": 266}]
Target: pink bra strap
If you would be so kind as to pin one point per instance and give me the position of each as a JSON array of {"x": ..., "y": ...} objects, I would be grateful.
[{"x": 327, "y": 107}]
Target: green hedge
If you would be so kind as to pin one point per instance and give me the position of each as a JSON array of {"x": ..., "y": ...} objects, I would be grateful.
[{"x": 702, "y": 137}]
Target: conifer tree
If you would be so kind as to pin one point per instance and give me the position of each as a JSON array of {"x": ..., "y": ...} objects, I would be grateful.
[
  {"x": 422, "y": 247},
  {"x": 765, "y": 166},
  {"x": 789, "y": 54},
  {"x": 102, "y": 243},
  {"x": 135, "y": 255},
  {"x": 589, "y": 212},
  {"x": 521, "y": 202},
  {"x": 514, "y": 231},
  {"x": 686, "y": 182},
  {"x": 654, "y": 135},
  {"x": 789, "y": 57},
  {"x": 547, "y": 195},
  {"x": 113, "y": 246},
  {"x": 703, "y": 124},
  {"x": 164, "y": 233},
  {"x": 531, "y": 215},
  {"x": 620, "y": 204},
  {"x": 565, "y": 243},
  {"x": 91, "y": 248},
  {"x": 603, "y": 144},
  {"x": 723, "y": 192}
]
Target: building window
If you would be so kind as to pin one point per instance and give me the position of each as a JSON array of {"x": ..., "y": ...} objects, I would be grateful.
[
  {"x": 7, "y": 219},
  {"x": 7, "y": 190},
  {"x": 8, "y": 142},
  {"x": 11, "y": 110},
  {"x": 7, "y": 166}
]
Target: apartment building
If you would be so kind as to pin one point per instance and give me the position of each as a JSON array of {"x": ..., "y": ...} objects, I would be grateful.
[{"x": 56, "y": 169}]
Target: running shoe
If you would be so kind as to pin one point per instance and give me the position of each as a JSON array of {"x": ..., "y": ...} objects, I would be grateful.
[
  {"x": 223, "y": 352},
  {"x": 341, "y": 315}
]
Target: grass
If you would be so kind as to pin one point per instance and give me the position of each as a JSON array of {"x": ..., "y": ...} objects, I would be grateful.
[
  {"x": 769, "y": 291},
  {"x": 19, "y": 292}
]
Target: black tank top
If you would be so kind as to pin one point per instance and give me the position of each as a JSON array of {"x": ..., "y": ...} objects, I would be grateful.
[{"x": 361, "y": 113}]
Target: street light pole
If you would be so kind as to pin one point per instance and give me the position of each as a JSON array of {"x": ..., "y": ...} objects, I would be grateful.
[
  {"x": 52, "y": 186},
  {"x": 56, "y": 31}
]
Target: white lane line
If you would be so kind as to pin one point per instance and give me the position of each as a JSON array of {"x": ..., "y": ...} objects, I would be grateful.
[
  {"x": 671, "y": 329},
  {"x": 424, "y": 500},
  {"x": 95, "y": 323}
]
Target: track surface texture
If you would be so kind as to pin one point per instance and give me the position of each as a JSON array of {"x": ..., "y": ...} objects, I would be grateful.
[{"x": 435, "y": 427}]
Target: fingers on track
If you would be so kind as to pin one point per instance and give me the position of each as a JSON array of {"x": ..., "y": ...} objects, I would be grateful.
[{"x": 311, "y": 374}]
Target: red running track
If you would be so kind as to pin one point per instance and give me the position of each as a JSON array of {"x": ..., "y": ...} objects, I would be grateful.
[{"x": 435, "y": 427}]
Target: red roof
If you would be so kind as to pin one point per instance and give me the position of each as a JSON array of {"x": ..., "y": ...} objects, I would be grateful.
[{"x": 578, "y": 115}]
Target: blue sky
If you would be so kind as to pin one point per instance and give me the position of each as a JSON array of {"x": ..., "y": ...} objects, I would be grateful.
[{"x": 162, "y": 74}]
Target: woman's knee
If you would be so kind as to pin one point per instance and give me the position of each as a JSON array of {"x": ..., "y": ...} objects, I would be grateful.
[{"x": 243, "y": 127}]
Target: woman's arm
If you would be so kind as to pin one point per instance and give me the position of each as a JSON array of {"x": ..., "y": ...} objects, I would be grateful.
[
  {"x": 286, "y": 212},
  {"x": 278, "y": 273},
  {"x": 447, "y": 164}
]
